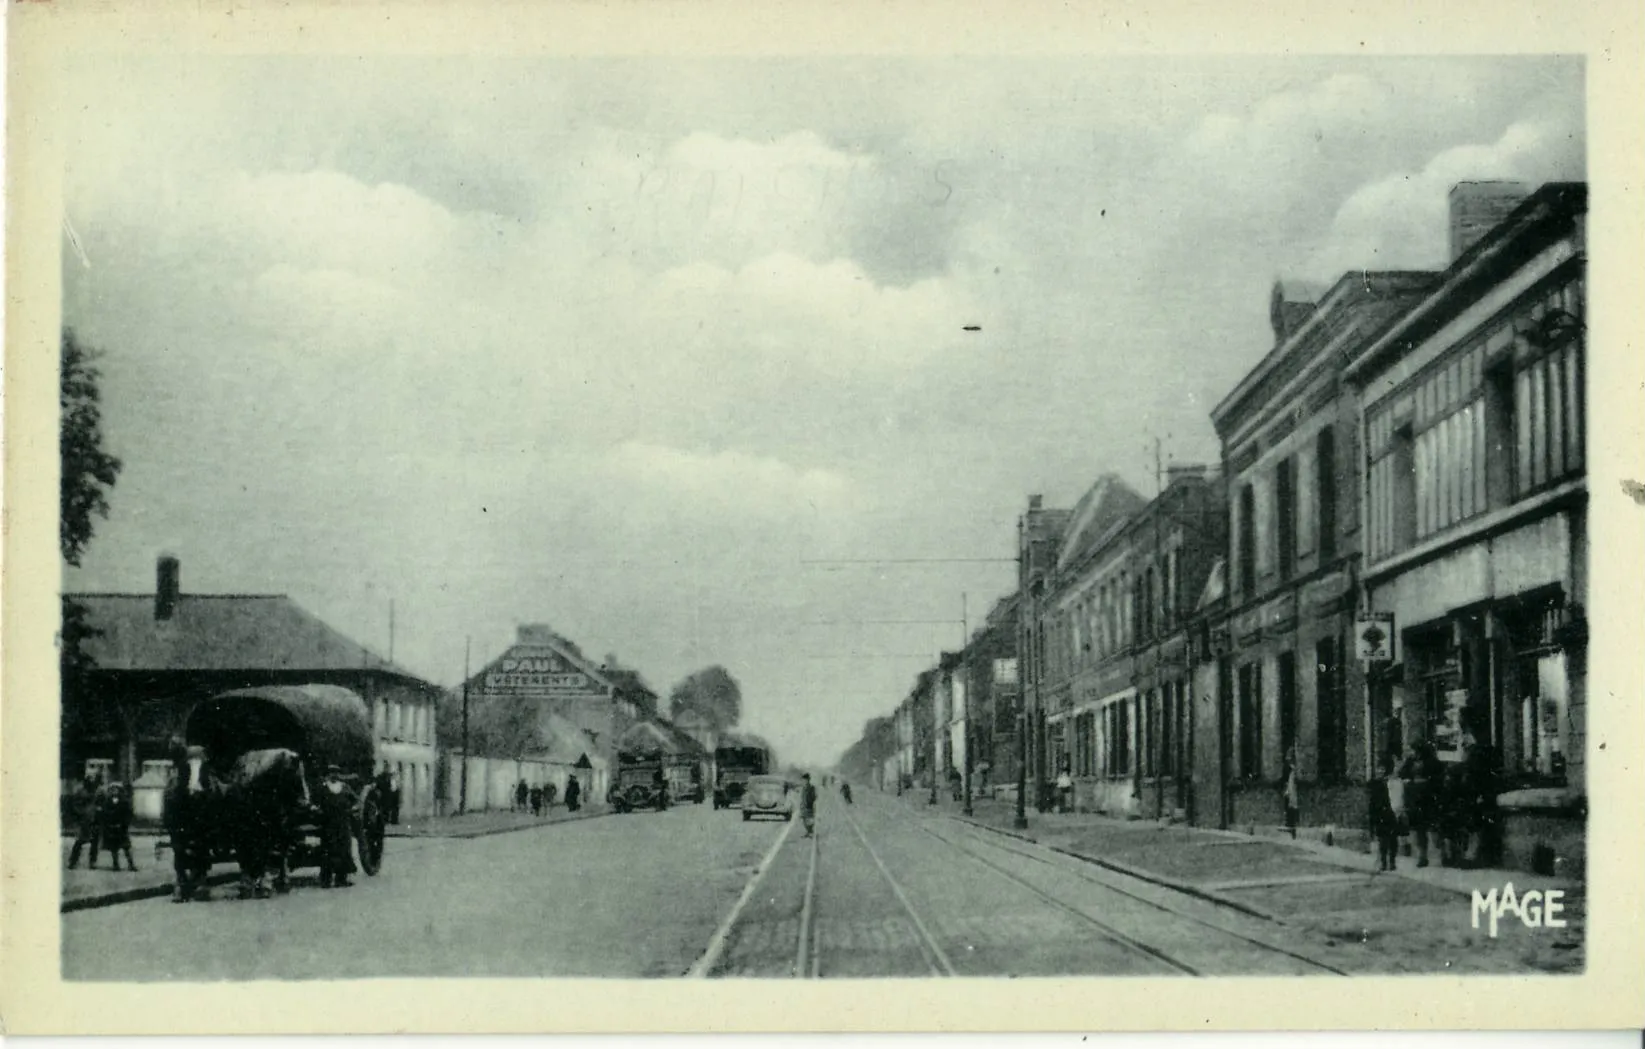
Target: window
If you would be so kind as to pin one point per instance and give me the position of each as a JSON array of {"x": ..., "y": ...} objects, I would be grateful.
[
  {"x": 1501, "y": 442},
  {"x": 1285, "y": 511},
  {"x": 1247, "y": 541},
  {"x": 1548, "y": 418},
  {"x": 1250, "y": 720},
  {"x": 1287, "y": 702},
  {"x": 1168, "y": 731},
  {"x": 1117, "y": 735},
  {"x": 1403, "y": 490},
  {"x": 1330, "y": 698},
  {"x": 1325, "y": 486}
]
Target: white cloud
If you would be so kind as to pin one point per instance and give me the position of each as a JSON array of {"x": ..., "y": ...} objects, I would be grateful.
[
  {"x": 730, "y": 481},
  {"x": 1401, "y": 220}
]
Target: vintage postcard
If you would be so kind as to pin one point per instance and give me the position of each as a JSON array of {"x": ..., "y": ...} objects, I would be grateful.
[{"x": 1004, "y": 518}]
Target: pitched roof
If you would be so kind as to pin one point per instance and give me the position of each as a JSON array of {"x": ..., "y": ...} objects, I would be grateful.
[
  {"x": 1109, "y": 502},
  {"x": 220, "y": 632}
]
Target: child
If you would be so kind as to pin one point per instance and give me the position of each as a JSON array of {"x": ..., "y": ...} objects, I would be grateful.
[
  {"x": 114, "y": 824},
  {"x": 1384, "y": 820}
]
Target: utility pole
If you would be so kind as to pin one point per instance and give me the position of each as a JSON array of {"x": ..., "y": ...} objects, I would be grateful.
[
  {"x": 966, "y": 760},
  {"x": 391, "y": 630},
  {"x": 1159, "y": 640},
  {"x": 462, "y": 795}
]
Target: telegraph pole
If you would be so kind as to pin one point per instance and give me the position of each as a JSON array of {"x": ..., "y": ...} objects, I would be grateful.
[
  {"x": 968, "y": 760},
  {"x": 462, "y": 795}
]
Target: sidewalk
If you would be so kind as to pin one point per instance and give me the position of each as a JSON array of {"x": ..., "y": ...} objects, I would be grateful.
[
  {"x": 1307, "y": 885},
  {"x": 102, "y": 886}
]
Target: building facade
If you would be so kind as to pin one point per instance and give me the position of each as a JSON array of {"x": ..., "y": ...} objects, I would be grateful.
[
  {"x": 155, "y": 655},
  {"x": 1290, "y": 440},
  {"x": 1474, "y": 419}
]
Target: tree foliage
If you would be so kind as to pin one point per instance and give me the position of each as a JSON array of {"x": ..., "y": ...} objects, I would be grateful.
[
  {"x": 498, "y": 726},
  {"x": 89, "y": 471},
  {"x": 711, "y": 693},
  {"x": 88, "y": 474}
]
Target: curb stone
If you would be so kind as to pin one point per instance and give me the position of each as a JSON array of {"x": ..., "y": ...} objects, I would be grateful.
[
  {"x": 1186, "y": 888},
  {"x": 147, "y": 892}
]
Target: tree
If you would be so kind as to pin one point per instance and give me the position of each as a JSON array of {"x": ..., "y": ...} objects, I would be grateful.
[
  {"x": 711, "y": 693},
  {"x": 89, "y": 472}
]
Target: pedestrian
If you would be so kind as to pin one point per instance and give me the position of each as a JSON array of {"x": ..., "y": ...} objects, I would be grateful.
[
  {"x": 537, "y": 801},
  {"x": 1289, "y": 792},
  {"x": 337, "y": 802},
  {"x": 1384, "y": 820},
  {"x": 114, "y": 824},
  {"x": 808, "y": 804},
  {"x": 1423, "y": 774},
  {"x": 383, "y": 785},
  {"x": 573, "y": 794},
  {"x": 83, "y": 808},
  {"x": 1065, "y": 789},
  {"x": 521, "y": 793},
  {"x": 1452, "y": 809},
  {"x": 1480, "y": 800},
  {"x": 845, "y": 791}
]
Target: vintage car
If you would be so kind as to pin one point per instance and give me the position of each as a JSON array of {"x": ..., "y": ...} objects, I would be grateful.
[
  {"x": 768, "y": 796},
  {"x": 640, "y": 784}
]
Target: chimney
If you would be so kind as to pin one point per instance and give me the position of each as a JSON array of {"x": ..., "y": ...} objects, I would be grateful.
[
  {"x": 1185, "y": 471},
  {"x": 1478, "y": 207},
  {"x": 167, "y": 587},
  {"x": 534, "y": 634},
  {"x": 1035, "y": 502}
]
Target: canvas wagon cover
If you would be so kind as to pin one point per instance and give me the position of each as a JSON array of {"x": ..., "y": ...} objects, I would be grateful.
[{"x": 326, "y": 724}]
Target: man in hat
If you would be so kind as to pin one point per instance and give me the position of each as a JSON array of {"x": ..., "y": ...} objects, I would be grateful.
[
  {"x": 337, "y": 803},
  {"x": 808, "y": 804}
]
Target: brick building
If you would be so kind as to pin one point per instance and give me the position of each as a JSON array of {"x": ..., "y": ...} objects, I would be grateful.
[{"x": 1290, "y": 439}]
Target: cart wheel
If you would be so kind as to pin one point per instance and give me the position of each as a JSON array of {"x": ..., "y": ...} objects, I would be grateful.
[{"x": 371, "y": 834}]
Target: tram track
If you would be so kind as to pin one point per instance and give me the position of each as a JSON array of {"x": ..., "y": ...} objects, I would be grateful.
[{"x": 1111, "y": 885}]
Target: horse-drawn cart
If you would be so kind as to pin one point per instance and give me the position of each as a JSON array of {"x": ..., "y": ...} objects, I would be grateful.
[{"x": 247, "y": 788}]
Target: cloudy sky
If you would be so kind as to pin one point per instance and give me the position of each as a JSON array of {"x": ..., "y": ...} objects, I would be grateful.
[{"x": 628, "y": 346}]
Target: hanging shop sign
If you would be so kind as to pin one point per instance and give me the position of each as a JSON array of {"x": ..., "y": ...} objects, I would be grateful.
[{"x": 1374, "y": 637}]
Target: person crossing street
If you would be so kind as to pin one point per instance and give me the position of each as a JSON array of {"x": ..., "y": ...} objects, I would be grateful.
[{"x": 808, "y": 804}]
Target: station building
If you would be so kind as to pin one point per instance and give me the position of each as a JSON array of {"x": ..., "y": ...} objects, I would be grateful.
[{"x": 155, "y": 655}]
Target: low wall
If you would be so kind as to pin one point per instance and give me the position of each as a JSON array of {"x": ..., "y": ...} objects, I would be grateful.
[{"x": 492, "y": 781}]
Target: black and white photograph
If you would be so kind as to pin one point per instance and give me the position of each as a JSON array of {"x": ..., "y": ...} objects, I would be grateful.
[{"x": 823, "y": 517}]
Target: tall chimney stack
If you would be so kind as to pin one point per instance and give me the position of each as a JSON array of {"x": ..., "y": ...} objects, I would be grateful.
[
  {"x": 1478, "y": 207},
  {"x": 167, "y": 587}
]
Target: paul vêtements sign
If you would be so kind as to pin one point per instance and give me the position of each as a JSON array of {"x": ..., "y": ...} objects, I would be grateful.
[{"x": 538, "y": 672}]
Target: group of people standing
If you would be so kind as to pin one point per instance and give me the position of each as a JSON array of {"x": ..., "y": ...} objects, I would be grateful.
[
  {"x": 1446, "y": 807},
  {"x": 102, "y": 820},
  {"x": 537, "y": 800}
]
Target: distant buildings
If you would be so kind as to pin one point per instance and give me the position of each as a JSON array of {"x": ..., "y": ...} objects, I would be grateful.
[{"x": 1394, "y": 549}]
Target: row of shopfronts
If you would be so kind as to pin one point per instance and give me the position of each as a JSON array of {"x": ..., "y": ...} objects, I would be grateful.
[{"x": 1391, "y": 551}]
